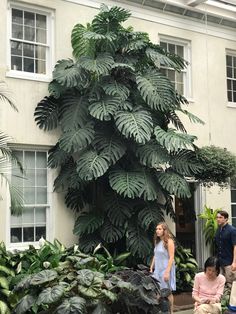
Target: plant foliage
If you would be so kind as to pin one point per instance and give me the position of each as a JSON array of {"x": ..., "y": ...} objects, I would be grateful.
[{"x": 119, "y": 159}]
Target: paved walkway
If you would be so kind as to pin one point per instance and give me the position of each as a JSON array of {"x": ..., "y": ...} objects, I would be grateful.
[{"x": 185, "y": 312}]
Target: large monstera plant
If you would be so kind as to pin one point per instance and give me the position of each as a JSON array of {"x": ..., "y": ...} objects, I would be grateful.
[{"x": 119, "y": 159}]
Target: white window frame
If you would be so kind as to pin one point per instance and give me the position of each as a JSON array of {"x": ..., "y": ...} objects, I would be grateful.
[
  {"x": 232, "y": 203},
  {"x": 233, "y": 54},
  {"x": 50, "y": 43},
  {"x": 187, "y": 88},
  {"x": 49, "y": 214}
]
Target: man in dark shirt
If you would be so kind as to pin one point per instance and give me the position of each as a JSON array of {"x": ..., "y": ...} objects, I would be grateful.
[{"x": 226, "y": 246}]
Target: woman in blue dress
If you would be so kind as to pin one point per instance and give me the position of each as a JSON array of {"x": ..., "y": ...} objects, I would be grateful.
[{"x": 163, "y": 264}]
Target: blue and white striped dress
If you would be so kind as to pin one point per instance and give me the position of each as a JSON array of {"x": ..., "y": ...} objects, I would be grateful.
[{"x": 161, "y": 257}]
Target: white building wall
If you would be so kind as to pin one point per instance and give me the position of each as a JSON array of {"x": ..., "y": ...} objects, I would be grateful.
[{"x": 208, "y": 99}]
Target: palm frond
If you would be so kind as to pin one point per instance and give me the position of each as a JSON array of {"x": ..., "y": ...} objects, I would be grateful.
[
  {"x": 46, "y": 113},
  {"x": 173, "y": 117},
  {"x": 6, "y": 95},
  {"x": 92, "y": 165},
  {"x": 74, "y": 199},
  {"x": 99, "y": 65},
  {"x": 156, "y": 90},
  {"x": 88, "y": 242},
  {"x": 76, "y": 139},
  {"x": 88, "y": 222},
  {"x": 107, "y": 141},
  {"x": 192, "y": 117},
  {"x": 128, "y": 184},
  {"x": 136, "y": 124},
  {"x": 174, "y": 183},
  {"x": 70, "y": 74},
  {"x": 186, "y": 163},
  {"x": 111, "y": 233},
  {"x": 152, "y": 154},
  {"x": 172, "y": 140}
]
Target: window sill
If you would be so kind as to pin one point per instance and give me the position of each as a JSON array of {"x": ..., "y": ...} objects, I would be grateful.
[
  {"x": 29, "y": 76},
  {"x": 231, "y": 104},
  {"x": 14, "y": 247}
]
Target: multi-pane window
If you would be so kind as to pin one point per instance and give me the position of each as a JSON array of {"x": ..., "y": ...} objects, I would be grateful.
[
  {"x": 179, "y": 79},
  {"x": 31, "y": 224},
  {"x": 231, "y": 77},
  {"x": 29, "y": 41},
  {"x": 233, "y": 205}
]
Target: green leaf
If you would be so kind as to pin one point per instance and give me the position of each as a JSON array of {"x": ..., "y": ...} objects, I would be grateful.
[
  {"x": 99, "y": 65},
  {"x": 74, "y": 111},
  {"x": 192, "y": 117},
  {"x": 25, "y": 304},
  {"x": 74, "y": 305},
  {"x": 103, "y": 109},
  {"x": 88, "y": 222},
  {"x": 114, "y": 88},
  {"x": 43, "y": 276},
  {"x": 57, "y": 157},
  {"x": 4, "y": 283},
  {"x": 107, "y": 141},
  {"x": 55, "y": 89},
  {"x": 174, "y": 184},
  {"x": 7, "y": 270},
  {"x": 150, "y": 188},
  {"x": 156, "y": 90},
  {"x": 74, "y": 140},
  {"x": 150, "y": 214},
  {"x": 152, "y": 154},
  {"x": 186, "y": 163},
  {"x": 91, "y": 165},
  {"x": 138, "y": 242},
  {"x": 111, "y": 233},
  {"x": 46, "y": 113},
  {"x": 69, "y": 74},
  {"x": 128, "y": 184},
  {"x": 4, "y": 309},
  {"x": 50, "y": 295},
  {"x": 174, "y": 141},
  {"x": 136, "y": 124},
  {"x": 80, "y": 44}
]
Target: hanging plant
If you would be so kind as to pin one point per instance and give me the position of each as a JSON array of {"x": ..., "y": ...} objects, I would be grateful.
[{"x": 219, "y": 165}]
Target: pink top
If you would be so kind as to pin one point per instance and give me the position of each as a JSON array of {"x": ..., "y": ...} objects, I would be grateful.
[{"x": 208, "y": 289}]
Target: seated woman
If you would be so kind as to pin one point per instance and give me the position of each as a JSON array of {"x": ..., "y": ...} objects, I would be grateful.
[{"x": 208, "y": 288}]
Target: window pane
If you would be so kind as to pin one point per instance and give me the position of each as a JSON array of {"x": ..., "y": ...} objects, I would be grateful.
[
  {"x": 41, "y": 21},
  {"x": 234, "y": 96},
  {"x": 40, "y": 66},
  {"x": 180, "y": 51},
  {"x": 28, "y": 234},
  {"x": 29, "y": 195},
  {"x": 29, "y": 19},
  {"x": 171, "y": 75},
  {"x": 229, "y": 96},
  {"x": 28, "y": 216},
  {"x": 41, "y": 160},
  {"x": 234, "y": 85},
  {"x": 234, "y": 61},
  {"x": 229, "y": 84},
  {"x": 16, "y": 63},
  {"x": 163, "y": 45},
  {"x": 40, "y": 52},
  {"x": 179, "y": 77},
  {"x": 233, "y": 197},
  {"x": 163, "y": 71},
  {"x": 229, "y": 72},
  {"x": 233, "y": 210},
  {"x": 28, "y": 65},
  {"x": 19, "y": 155},
  {"x": 17, "y": 31},
  {"x": 229, "y": 60},
  {"x": 29, "y": 178},
  {"x": 41, "y": 35},
  {"x": 40, "y": 232},
  {"x": 180, "y": 88},
  {"x": 234, "y": 72},
  {"x": 17, "y": 16},
  {"x": 30, "y": 160},
  {"x": 41, "y": 177},
  {"x": 16, "y": 48},
  {"x": 40, "y": 215},
  {"x": 171, "y": 48},
  {"x": 16, "y": 235},
  {"x": 41, "y": 195},
  {"x": 29, "y": 33},
  {"x": 16, "y": 220},
  {"x": 28, "y": 50}
]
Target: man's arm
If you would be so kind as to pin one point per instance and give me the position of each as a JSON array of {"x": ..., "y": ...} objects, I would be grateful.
[{"x": 233, "y": 265}]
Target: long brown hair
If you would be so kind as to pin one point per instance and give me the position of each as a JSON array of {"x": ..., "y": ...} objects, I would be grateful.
[{"x": 167, "y": 234}]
